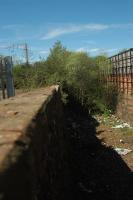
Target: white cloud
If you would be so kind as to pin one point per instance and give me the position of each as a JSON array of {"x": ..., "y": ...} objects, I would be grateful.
[
  {"x": 4, "y": 46},
  {"x": 108, "y": 51},
  {"x": 43, "y": 52},
  {"x": 99, "y": 50},
  {"x": 81, "y": 49},
  {"x": 96, "y": 50},
  {"x": 21, "y": 32},
  {"x": 12, "y": 26},
  {"x": 111, "y": 50},
  {"x": 73, "y": 28},
  {"x": 84, "y": 49}
]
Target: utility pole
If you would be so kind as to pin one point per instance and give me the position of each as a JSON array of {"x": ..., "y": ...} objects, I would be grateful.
[
  {"x": 25, "y": 49},
  {"x": 26, "y": 53}
]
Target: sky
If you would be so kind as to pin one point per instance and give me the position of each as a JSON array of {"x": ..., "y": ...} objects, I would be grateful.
[{"x": 93, "y": 26}]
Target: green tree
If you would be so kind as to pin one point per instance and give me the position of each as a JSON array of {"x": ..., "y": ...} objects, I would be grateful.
[{"x": 56, "y": 62}]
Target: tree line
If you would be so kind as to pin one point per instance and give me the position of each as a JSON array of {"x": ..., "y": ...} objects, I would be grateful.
[{"x": 76, "y": 72}]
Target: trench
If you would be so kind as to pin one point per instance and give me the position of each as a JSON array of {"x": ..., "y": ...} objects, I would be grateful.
[{"x": 97, "y": 171}]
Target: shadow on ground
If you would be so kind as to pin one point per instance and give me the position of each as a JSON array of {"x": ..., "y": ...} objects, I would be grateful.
[{"x": 97, "y": 172}]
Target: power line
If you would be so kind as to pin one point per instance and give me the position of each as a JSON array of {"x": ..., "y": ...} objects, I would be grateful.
[{"x": 24, "y": 47}]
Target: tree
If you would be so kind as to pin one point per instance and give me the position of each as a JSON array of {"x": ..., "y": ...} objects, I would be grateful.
[{"x": 56, "y": 63}]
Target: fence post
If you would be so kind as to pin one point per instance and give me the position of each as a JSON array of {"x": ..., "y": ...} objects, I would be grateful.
[
  {"x": 2, "y": 78},
  {"x": 9, "y": 76}
]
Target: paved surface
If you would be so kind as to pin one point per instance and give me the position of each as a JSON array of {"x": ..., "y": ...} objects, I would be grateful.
[{"x": 15, "y": 115}]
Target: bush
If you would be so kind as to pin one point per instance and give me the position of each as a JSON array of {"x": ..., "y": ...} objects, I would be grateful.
[{"x": 29, "y": 77}]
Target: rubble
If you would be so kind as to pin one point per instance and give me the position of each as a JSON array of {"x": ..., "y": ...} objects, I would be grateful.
[
  {"x": 122, "y": 151},
  {"x": 122, "y": 125},
  {"x": 113, "y": 121}
]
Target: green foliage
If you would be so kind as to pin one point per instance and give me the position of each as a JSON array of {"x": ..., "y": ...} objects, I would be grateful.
[
  {"x": 77, "y": 73},
  {"x": 82, "y": 78},
  {"x": 29, "y": 77},
  {"x": 106, "y": 113},
  {"x": 56, "y": 62}
]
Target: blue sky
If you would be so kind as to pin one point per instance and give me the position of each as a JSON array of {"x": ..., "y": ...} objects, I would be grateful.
[{"x": 95, "y": 26}]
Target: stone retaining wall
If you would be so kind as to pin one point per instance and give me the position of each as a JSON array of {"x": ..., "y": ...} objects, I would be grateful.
[{"x": 32, "y": 146}]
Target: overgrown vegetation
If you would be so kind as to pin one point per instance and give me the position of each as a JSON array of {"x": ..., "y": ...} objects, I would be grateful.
[{"x": 76, "y": 72}]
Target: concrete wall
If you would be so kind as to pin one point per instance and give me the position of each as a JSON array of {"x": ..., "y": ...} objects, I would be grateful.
[{"x": 32, "y": 146}]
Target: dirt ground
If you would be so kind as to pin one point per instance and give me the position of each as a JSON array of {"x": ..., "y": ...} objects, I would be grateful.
[
  {"x": 97, "y": 171},
  {"x": 117, "y": 138}
]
